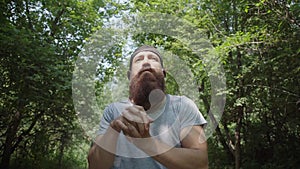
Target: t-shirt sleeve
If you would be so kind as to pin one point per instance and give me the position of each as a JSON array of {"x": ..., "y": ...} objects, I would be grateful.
[
  {"x": 190, "y": 114},
  {"x": 105, "y": 120}
]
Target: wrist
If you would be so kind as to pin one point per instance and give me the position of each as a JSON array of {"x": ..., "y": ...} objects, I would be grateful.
[{"x": 114, "y": 127}]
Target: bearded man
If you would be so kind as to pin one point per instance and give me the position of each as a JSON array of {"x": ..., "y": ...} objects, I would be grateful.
[{"x": 152, "y": 129}]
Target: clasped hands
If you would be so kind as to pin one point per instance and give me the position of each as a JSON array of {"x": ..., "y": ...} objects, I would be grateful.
[{"x": 134, "y": 122}]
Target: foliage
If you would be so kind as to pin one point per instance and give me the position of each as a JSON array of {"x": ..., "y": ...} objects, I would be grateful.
[
  {"x": 39, "y": 43},
  {"x": 257, "y": 43}
]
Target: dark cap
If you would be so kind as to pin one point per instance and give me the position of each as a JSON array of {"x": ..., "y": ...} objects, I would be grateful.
[{"x": 145, "y": 48}]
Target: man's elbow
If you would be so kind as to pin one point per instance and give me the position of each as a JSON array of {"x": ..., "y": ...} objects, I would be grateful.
[
  {"x": 197, "y": 164},
  {"x": 94, "y": 159},
  {"x": 204, "y": 166},
  {"x": 202, "y": 163},
  {"x": 98, "y": 158}
]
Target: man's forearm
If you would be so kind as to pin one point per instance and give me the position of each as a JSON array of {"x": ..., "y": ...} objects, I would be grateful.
[
  {"x": 175, "y": 158},
  {"x": 183, "y": 158},
  {"x": 102, "y": 153}
]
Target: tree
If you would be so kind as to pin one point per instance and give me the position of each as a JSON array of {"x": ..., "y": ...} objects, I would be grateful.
[
  {"x": 40, "y": 40},
  {"x": 258, "y": 44}
]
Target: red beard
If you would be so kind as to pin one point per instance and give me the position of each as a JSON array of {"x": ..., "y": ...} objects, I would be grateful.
[{"x": 143, "y": 84}]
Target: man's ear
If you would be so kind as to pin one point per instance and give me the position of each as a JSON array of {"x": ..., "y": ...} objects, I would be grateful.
[
  {"x": 164, "y": 72},
  {"x": 128, "y": 74}
]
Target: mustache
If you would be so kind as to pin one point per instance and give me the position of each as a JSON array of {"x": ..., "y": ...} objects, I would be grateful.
[{"x": 144, "y": 69}]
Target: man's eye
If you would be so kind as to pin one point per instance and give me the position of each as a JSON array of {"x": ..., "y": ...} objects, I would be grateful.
[
  {"x": 156, "y": 59},
  {"x": 139, "y": 59}
]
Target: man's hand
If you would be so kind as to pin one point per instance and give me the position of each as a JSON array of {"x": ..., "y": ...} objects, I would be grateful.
[
  {"x": 137, "y": 122},
  {"x": 134, "y": 122},
  {"x": 119, "y": 124}
]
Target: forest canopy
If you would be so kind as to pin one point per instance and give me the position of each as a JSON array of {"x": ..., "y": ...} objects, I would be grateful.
[{"x": 256, "y": 42}]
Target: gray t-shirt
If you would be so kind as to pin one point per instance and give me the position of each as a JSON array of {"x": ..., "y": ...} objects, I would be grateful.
[{"x": 177, "y": 113}]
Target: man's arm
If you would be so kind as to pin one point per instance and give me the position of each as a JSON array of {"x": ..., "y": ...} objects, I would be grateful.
[
  {"x": 192, "y": 155},
  {"x": 102, "y": 153},
  {"x": 100, "y": 158}
]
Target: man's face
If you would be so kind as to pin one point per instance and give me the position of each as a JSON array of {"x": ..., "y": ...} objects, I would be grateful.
[
  {"x": 143, "y": 59},
  {"x": 146, "y": 76}
]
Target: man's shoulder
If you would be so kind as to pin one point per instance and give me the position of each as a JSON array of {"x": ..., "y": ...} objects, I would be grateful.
[
  {"x": 118, "y": 105},
  {"x": 174, "y": 97},
  {"x": 182, "y": 101},
  {"x": 178, "y": 98}
]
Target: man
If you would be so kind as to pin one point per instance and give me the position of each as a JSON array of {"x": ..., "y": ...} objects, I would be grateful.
[{"x": 152, "y": 130}]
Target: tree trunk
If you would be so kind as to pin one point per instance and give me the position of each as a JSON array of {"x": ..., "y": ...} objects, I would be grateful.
[
  {"x": 61, "y": 150},
  {"x": 240, "y": 114},
  {"x": 238, "y": 139},
  {"x": 8, "y": 145},
  {"x": 226, "y": 144}
]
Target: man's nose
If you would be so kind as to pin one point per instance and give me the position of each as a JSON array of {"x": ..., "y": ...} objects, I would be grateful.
[{"x": 146, "y": 65}]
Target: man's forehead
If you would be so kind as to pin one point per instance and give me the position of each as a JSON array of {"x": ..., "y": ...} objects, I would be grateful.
[
  {"x": 145, "y": 50},
  {"x": 146, "y": 53}
]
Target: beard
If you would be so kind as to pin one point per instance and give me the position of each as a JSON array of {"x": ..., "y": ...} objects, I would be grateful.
[{"x": 142, "y": 84}]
